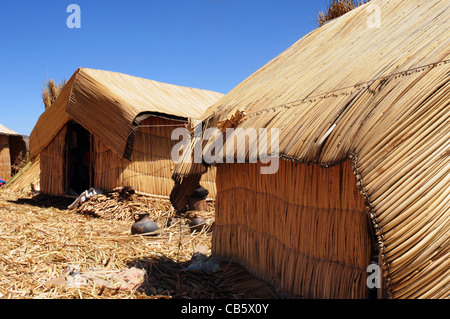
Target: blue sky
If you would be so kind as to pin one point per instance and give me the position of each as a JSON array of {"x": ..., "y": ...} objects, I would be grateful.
[{"x": 206, "y": 44}]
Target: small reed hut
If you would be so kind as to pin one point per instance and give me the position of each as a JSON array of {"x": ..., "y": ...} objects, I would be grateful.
[
  {"x": 109, "y": 129},
  {"x": 364, "y": 158},
  {"x": 13, "y": 152}
]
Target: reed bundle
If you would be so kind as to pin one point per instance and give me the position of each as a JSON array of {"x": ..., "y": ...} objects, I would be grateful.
[
  {"x": 108, "y": 206},
  {"x": 50, "y": 92},
  {"x": 52, "y": 165},
  {"x": 27, "y": 176},
  {"x": 188, "y": 165},
  {"x": 390, "y": 117},
  {"x": 181, "y": 192},
  {"x": 51, "y": 121},
  {"x": 337, "y": 8},
  {"x": 185, "y": 184}
]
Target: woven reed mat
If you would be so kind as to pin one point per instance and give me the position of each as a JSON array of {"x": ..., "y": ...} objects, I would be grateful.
[{"x": 44, "y": 246}]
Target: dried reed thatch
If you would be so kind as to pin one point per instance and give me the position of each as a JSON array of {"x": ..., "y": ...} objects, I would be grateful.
[
  {"x": 337, "y": 8},
  {"x": 13, "y": 152},
  {"x": 5, "y": 158},
  {"x": 376, "y": 96},
  {"x": 41, "y": 241},
  {"x": 185, "y": 184},
  {"x": 50, "y": 92},
  {"x": 108, "y": 206},
  {"x": 130, "y": 121},
  {"x": 107, "y": 104},
  {"x": 150, "y": 168},
  {"x": 52, "y": 165},
  {"x": 28, "y": 178}
]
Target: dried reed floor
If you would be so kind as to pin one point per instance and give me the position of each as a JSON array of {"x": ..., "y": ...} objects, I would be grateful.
[{"x": 41, "y": 239}]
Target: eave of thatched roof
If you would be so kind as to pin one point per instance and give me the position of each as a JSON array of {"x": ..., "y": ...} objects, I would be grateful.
[
  {"x": 379, "y": 96},
  {"x": 7, "y": 131},
  {"x": 108, "y": 103},
  {"x": 17, "y": 143}
]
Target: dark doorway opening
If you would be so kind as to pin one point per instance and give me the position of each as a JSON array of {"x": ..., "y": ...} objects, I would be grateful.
[{"x": 79, "y": 174}]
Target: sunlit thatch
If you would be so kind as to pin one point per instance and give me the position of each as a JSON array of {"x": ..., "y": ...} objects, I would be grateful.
[
  {"x": 50, "y": 92},
  {"x": 347, "y": 91}
]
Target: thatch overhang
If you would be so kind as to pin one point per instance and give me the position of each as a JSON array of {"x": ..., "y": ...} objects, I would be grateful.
[
  {"x": 379, "y": 96},
  {"x": 17, "y": 141},
  {"x": 7, "y": 131},
  {"x": 110, "y": 105}
]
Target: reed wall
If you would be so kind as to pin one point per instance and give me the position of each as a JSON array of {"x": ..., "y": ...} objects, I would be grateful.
[
  {"x": 304, "y": 228},
  {"x": 5, "y": 159},
  {"x": 150, "y": 168},
  {"x": 52, "y": 165},
  {"x": 149, "y": 171}
]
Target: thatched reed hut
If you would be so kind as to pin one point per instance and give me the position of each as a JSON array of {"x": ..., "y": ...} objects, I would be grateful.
[
  {"x": 13, "y": 152},
  {"x": 364, "y": 158},
  {"x": 109, "y": 129}
]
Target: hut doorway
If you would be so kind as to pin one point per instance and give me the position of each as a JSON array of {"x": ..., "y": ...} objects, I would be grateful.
[{"x": 79, "y": 169}]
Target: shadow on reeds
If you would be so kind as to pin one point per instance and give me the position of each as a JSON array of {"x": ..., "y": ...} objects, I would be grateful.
[
  {"x": 44, "y": 201},
  {"x": 166, "y": 278}
]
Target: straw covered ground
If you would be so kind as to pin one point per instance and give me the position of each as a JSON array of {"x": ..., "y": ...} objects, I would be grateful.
[{"x": 50, "y": 252}]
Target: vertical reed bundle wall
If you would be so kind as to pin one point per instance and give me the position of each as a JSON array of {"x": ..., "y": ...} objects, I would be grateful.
[
  {"x": 150, "y": 168},
  {"x": 52, "y": 165},
  {"x": 5, "y": 159},
  {"x": 303, "y": 229},
  {"x": 149, "y": 171}
]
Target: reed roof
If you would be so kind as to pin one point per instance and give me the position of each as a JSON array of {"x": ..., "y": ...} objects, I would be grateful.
[
  {"x": 324, "y": 90},
  {"x": 379, "y": 96},
  {"x": 108, "y": 105},
  {"x": 16, "y": 144},
  {"x": 7, "y": 131}
]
